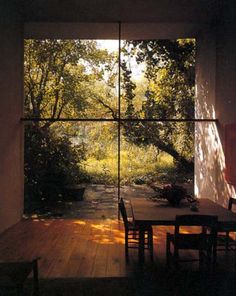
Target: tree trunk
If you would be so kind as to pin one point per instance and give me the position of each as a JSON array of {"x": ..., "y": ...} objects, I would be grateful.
[{"x": 187, "y": 165}]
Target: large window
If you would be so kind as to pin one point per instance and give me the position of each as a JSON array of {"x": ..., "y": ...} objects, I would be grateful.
[{"x": 120, "y": 114}]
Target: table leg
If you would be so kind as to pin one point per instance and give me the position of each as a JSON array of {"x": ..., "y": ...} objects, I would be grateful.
[
  {"x": 141, "y": 245},
  {"x": 35, "y": 278}
]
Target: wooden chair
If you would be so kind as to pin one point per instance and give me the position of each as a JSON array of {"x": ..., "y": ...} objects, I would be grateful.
[
  {"x": 225, "y": 242},
  {"x": 203, "y": 242},
  {"x": 14, "y": 274},
  {"x": 132, "y": 232}
]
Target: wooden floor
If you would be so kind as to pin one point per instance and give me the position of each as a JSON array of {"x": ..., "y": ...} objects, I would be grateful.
[{"x": 76, "y": 248}]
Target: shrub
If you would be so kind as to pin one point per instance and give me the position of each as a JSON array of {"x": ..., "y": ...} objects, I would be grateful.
[
  {"x": 51, "y": 163},
  {"x": 172, "y": 192}
]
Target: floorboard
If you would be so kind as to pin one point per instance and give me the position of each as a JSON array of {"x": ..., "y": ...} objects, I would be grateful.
[{"x": 73, "y": 248}]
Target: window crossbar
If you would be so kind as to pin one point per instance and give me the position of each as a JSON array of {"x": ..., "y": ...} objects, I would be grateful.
[{"x": 35, "y": 119}]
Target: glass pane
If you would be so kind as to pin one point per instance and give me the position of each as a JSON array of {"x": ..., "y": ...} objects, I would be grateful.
[
  {"x": 158, "y": 79},
  {"x": 156, "y": 154},
  {"x": 71, "y": 169},
  {"x": 71, "y": 78}
]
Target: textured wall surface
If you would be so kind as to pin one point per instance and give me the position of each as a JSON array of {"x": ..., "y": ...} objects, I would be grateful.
[
  {"x": 216, "y": 88},
  {"x": 11, "y": 94}
]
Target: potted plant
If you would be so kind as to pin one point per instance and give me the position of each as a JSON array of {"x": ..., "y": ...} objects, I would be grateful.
[{"x": 172, "y": 192}]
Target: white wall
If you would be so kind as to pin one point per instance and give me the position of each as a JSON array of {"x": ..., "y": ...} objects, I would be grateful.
[
  {"x": 225, "y": 85},
  {"x": 205, "y": 109},
  {"x": 216, "y": 89}
]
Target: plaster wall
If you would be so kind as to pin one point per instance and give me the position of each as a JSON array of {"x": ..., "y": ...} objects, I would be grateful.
[
  {"x": 226, "y": 66},
  {"x": 216, "y": 88},
  {"x": 11, "y": 140},
  {"x": 225, "y": 104},
  {"x": 119, "y": 10},
  {"x": 205, "y": 109},
  {"x": 89, "y": 30}
]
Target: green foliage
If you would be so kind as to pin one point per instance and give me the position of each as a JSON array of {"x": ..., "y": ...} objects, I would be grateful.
[
  {"x": 74, "y": 78},
  {"x": 63, "y": 78},
  {"x": 138, "y": 165},
  {"x": 169, "y": 95},
  {"x": 51, "y": 163},
  {"x": 172, "y": 192}
]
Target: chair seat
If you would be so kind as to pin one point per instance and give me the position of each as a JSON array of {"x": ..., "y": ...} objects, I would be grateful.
[
  {"x": 132, "y": 226},
  {"x": 189, "y": 241},
  {"x": 202, "y": 242}
]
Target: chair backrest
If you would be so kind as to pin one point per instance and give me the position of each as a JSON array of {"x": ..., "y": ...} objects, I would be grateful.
[
  {"x": 204, "y": 221},
  {"x": 123, "y": 212},
  {"x": 232, "y": 201}
]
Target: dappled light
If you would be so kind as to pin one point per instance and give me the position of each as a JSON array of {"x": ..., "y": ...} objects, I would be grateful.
[
  {"x": 210, "y": 164},
  {"x": 79, "y": 248},
  {"x": 69, "y": 246},
  {"x": 79, "y": 222},
  {"x": 209, "y": 136},
  {"x": 101, "y": 227},
  {"x": 46, "y": 224},
  {"x": 108, "y": 233}
]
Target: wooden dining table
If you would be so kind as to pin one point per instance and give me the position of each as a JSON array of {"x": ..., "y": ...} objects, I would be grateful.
[{"x": 149, "y": 213}]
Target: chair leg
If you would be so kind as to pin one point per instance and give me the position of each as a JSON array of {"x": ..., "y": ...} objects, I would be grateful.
[
  {"x": 35, "y": 277},
  {"x": 141, "y": 245},
  {"x": 235, "y": 260},
  {"x": 201, "y": 259},
  {"x": 234, "y": 250},
  {"x": 227, "y": 241},
  {"x": 214, "y": 254},
  {"x": 168, "y": 250},
  {"x": 150, "y": 243},
  {"x": 126, "y": 247},
  {"x": 176, "y": 257}
]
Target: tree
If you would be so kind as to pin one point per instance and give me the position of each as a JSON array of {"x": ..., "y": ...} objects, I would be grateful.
[
  {"x": 169, "y": 95},
  {"x": 63, "y": 78},
  {"x": 58, "y": 74}
]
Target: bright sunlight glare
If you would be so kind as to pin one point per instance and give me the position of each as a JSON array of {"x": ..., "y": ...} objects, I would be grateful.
[{"x": 112, "y": 46}]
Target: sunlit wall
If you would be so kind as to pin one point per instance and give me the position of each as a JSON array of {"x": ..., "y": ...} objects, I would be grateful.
[{"x": 215, "y": 91}]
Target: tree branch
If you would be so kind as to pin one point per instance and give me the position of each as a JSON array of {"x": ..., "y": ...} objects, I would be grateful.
[{"x": 113, "y": 113}]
